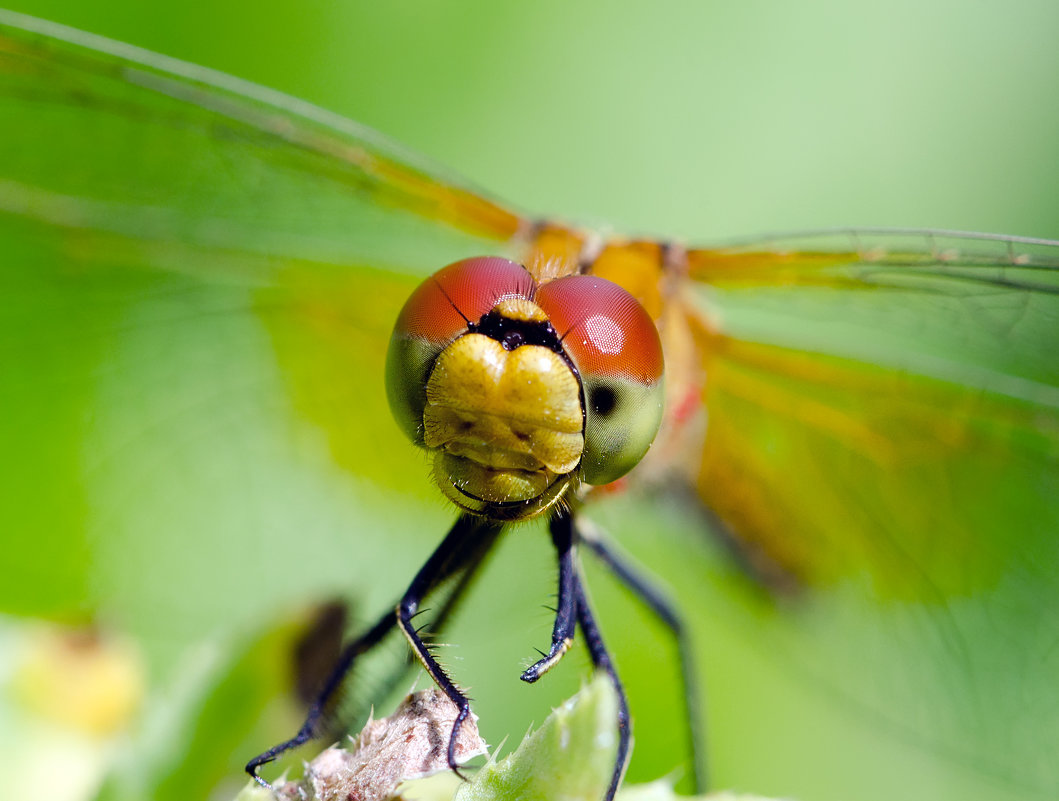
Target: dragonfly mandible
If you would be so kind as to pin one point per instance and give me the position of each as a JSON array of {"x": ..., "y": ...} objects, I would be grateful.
[{"x": 869, "y": 417}]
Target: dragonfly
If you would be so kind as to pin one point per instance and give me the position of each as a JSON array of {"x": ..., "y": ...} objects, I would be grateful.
[{"x": 868, "y": 420}]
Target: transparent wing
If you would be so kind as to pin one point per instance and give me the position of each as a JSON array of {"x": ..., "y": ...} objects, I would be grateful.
[
  {"x": 882, "y": 427},
  {"x": 199, "y": 278}
]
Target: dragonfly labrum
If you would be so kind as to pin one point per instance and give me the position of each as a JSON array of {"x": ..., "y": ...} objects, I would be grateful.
[{"x": 201, "y": 277}]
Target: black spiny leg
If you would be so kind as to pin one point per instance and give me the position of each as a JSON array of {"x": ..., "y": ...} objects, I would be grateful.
[
  {"x": 467, "y": 540},
  {"x": 657, "y": 601},
  {"x": 573, "y": 609},
  {"x": 562, "y": 529},
  {"x": 601, "y": 659},
  {"x": 315, "y": 715},
  {"x": 462, "y": 550}
]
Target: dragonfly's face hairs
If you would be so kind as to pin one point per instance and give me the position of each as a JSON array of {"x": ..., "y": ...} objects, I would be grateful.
[{"x": 520, "y": 390}]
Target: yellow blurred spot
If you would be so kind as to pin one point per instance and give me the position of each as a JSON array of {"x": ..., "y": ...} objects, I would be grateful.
[{"x": 80, "y": 679}]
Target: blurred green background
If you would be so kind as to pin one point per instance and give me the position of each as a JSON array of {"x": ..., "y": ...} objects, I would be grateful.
[{"x": 700, "y": 120}]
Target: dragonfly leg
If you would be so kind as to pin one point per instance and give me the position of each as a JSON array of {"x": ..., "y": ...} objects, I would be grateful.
[
  {"x": 562, "y": 530},
  {"x": 462, "y": 551},
  {"x": 465, "y": 544},
  {"x": 659, "y": 603},
  {"x": 315, "y": 716},
  {"x": 597, "y": 651},
  {"x": 455, "y": 591}
]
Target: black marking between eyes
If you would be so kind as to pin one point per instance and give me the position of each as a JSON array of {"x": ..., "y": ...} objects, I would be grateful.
[{"x": 513, "y": 334}]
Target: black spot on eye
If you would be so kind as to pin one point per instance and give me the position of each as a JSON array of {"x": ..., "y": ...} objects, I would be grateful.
[{"x": 602, "y": 400}]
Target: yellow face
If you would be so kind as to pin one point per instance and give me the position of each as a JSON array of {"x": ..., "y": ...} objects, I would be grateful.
[
  {"x": 507, "y": 425},
  {"x": 522, "y": 391}
]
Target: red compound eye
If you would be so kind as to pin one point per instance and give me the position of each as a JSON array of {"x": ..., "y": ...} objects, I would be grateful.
[
  {"x": 615, "y": 346},
  {"x": 437, "y": 313},
  {"x": 442, "y": 306},
  {"x": 603, "y": 328}
]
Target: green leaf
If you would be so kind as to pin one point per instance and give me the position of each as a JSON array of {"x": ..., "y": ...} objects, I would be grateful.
[{"x": 569, "y": 758}]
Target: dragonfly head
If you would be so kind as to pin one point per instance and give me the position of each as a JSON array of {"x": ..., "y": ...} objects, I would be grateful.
[{"x": 522, "y": 391}]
